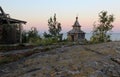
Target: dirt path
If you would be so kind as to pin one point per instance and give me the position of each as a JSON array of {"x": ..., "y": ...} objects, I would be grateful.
[{"x": 74, "y": 61}]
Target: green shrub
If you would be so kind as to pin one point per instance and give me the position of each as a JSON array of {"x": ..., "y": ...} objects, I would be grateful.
[
  {"x": 48, "y": 41},
  {"x": 35, "y": 41}
]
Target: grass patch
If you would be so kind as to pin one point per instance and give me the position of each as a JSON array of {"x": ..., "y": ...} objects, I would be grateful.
[
  {"x": 10, "y": 58},
  {"x": 18, "y": 47},
  {"x": 14, "y": 57}
]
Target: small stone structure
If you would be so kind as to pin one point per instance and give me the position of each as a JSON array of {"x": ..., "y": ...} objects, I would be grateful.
[{"x": 76, "y": 34}]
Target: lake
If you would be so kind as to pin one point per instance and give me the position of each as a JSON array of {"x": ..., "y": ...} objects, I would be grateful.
[{"x": 114, "y": 36}]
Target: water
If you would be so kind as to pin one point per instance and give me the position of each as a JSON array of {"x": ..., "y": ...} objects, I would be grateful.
[{"x": 114, "y": 36}]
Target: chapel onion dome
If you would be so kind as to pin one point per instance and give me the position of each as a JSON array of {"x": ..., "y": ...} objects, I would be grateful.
[
  {"x": 76, "y": 24},
  {"x": 76, "y": 28}
]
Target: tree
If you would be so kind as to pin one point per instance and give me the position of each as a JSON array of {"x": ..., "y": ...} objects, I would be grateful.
[
  {"x": 33, "y": 33},
  {"x": 54, "y": 28},
  {"x": 31, "y": 36},
  {"x": 46, "y": 35},
  {"x": 25, "y": 37},
  {"x": 100, "y": 31}
]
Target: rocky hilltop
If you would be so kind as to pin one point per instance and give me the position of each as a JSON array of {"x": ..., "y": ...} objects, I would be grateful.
[{"x": 98, "y": 60}]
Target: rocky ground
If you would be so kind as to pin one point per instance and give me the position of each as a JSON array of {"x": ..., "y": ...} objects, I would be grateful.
[{"x": 98, "y": 60}]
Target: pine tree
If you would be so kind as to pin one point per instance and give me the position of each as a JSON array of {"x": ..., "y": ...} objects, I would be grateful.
[{"x": 54, "y": 28}]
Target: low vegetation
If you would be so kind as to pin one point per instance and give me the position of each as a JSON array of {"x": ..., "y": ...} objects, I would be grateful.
[
  {"x": 14, "y": 57},
  {"x": 7, "y": 48}
]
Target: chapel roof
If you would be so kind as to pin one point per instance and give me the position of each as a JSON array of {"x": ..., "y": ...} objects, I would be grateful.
[
  {"x": 75, "y": 31},
  {"x": 76, "y": 24}
]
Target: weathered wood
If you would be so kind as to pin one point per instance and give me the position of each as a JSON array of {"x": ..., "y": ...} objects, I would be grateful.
[
  {"x": 9, "y": 32},
  {"x": 4, "y": 15}
]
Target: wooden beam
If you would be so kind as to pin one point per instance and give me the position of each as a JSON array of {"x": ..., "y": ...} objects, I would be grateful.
[{"x": 4, "y": 15}]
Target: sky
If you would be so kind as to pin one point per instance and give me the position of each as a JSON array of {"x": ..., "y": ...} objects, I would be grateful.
[{"x": 37, "y": 12}]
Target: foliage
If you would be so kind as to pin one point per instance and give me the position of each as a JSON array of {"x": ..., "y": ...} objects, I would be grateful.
[
  {"x": 48, "y": 41},
  {"x": 24, "y": 36},
  {"x": 54, "y": 29},
  {"x": 47, "y": 35},
  {"x": 100, "y": 31},
  {"x": 54, "y": 26},
  {"x": 33, "y": 33},
  {"x": 54, "y": 35},
  {"x": 31, "y": 36}
]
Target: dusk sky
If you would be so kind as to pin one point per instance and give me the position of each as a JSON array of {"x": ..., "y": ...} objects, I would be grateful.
[{"x": 37, "y": 12}]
